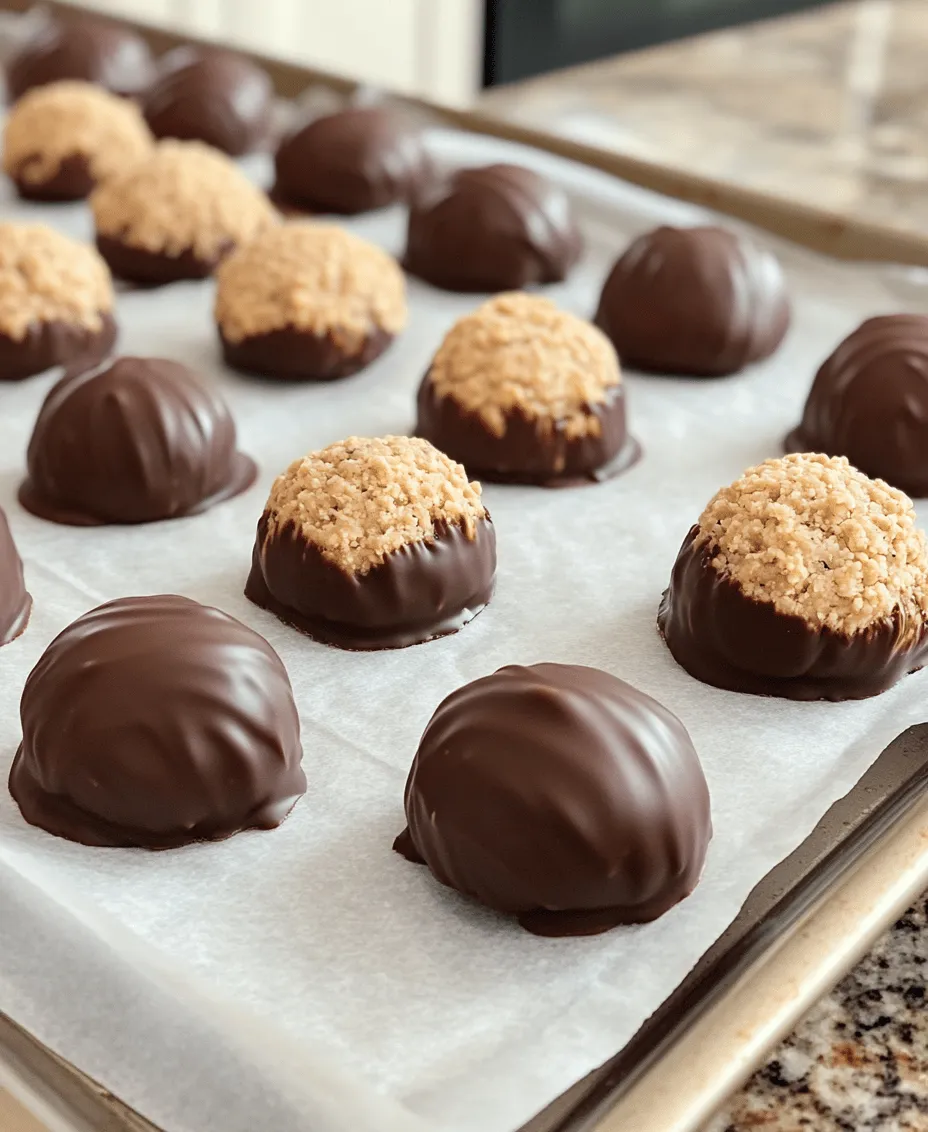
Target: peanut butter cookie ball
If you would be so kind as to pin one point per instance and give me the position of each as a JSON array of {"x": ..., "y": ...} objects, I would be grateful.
[
  {"x": 523, "y": 392},
  {"x": 803, "y": 579},
  {"x": 308, "y": 302},
  {"x": 56, "y": 302},
  {"x": 63, "y": 139},
  {"x": 374, "y": 544},
  {"x": 176, "y": 214}
]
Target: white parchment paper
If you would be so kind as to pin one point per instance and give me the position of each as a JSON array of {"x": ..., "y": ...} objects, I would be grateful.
[{"x": 309, "y": 978}]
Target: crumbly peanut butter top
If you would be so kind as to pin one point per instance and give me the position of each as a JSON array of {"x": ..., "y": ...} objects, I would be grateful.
[
  {"x": 46, "y": 277},
  {"x": 69, "y": 119},
  {"x": 313, "y": 277},
  {"x": 520, "y": 352},
  {"x": 185, "y": 196},
  {"x": 821, "y": 541},
  {"x": 360, "y": 500}
]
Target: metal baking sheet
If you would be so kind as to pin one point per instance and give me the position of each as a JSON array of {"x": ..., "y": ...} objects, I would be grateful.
[{"x": 764, "y": 921}]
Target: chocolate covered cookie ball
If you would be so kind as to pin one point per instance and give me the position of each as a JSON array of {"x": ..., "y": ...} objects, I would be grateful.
[
  {"x": 308, "y": 302},
  {"x": 82, "y": 47},
  {"x": 156, "y": 722},
  {"x": 358, "y": 159},
  {"x": 522, "y": 392},
  {"x": 803, "y": 579},
  {"x": 869, "y": 402},
  {"x": 497, "y": 228},
  {"x": 176, "y": 214},
  {"x": 61, "y": 140},
  {"x": 374, "y": 544},
  {"x": 15, "y": 602},
  {"x": 698, "y": 302},
  {"x": 56, "y": 302},
  {"x": 213, "y": 96},
  {"x": 136, "y": 440},
  {"x": 560, "y": 795}
]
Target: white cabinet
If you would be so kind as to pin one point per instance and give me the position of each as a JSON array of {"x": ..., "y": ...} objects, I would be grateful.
[{"x": 433, "y": 48}]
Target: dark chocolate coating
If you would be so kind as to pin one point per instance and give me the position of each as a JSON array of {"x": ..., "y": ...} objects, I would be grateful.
[
  {"x": 424, "y": 590},
  {"x": 155, "y": 722},
  {"x": 213, "y": 96},
  {"x": 496, "y": 228},
  {"x": 561, "y": 795},
  {"x": 137, "y": 440},
  {"x": 85, "y": 48},
  {"x": 154, "y": 269},
  {"x": 72, "y": 180},
  {"x": 15, "y": 602},
  {"x": 290, "y": 354},
  {"x": 731, "y": 641},
  {"x": 48, "y": 344},
  {"x": 869, "y": 402},
  {"x": 358, "y": 159},
  {"x": 700, "y": 302},
  {"x": 525, "y": 453}
]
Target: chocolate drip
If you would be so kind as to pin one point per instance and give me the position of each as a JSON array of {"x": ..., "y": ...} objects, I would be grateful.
[
  {"x": 48, "y": 344},
  {"x": 424, "y": 590},
  {"x": 527, "y": 452},
  {"x": 729, "y": 640},
  {"x": 290, "y": 354},
  {"x": 154, "y": 269},
  {"x": 72, "y": 180}
]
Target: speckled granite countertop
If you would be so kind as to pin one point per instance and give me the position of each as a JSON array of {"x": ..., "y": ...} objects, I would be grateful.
[
  {"x": 831, "y": 108},
  {"x": 858, "y": 1062}
]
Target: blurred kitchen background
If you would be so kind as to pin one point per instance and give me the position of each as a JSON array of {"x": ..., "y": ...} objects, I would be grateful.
[{"x": 446, "y": 50}]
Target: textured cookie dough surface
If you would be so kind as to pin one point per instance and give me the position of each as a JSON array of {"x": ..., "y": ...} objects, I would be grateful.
[
  {"x": 821, "y": 541},
  {"x": 313, "y": 277},
  {"x": 46, "y": 277},
  {"x": 519, "y": 352},
  {"x": 361, "y": 499},
  {"x": 73, "y": 119},
  {"x": 185, "y": 197}
]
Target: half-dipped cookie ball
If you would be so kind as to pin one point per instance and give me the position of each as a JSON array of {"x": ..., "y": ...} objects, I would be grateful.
[
  {"x": 81, "y": 47},
  {"x": 496, "y": 228},
  {"x": 869, "y": 402},
  {"x": 803, "y": 579},
  {"x": 523, "y": 392},
  {"x": 374, "y": 544},
  {"x": 61, "y": 140},
  {"x": 136, "y": 440},
  {"x": 56, "y": 302},
  {"x": 15, "y": 602},
  {"x": 213, "y": 96},
  {"x": 308, "y": 302},
  {"x": 155, "y": 722},
  {"x": 699, "y": 302},
  {"x": 355, "y": 160},
  {"x": 561, "y": 795},
  {"x": 176, "y": 214}
]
